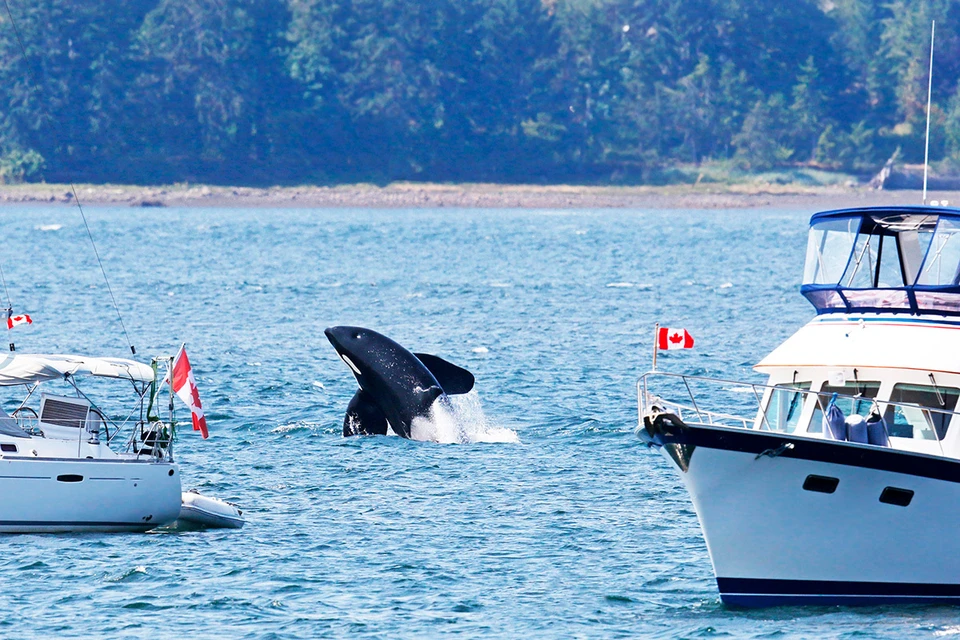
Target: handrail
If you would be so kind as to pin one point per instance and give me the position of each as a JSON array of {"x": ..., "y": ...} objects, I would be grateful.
[{"x": 644, "y": 399}]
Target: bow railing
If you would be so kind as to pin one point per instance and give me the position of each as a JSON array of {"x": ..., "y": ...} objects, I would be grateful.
[{"x": 746, "y": 405}]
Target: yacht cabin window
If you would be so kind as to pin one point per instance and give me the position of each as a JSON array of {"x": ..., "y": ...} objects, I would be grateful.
[
  {"x": 917, "y": 423},
  {"x": 862, "y": 403},
  {"x": 784, "y": 408}
]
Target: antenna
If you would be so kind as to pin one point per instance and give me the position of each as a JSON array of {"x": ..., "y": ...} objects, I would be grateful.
[{"x": 926, "y": 145}]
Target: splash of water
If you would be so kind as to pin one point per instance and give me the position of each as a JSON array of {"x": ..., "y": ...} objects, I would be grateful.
[{"x": 460, "y": 421}]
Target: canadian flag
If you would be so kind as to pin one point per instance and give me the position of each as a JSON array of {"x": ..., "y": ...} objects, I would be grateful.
[
  {"x": 13, "y": 321},
  {"x": 674, "y": 339},
  {"x": 185, "y": 387}
]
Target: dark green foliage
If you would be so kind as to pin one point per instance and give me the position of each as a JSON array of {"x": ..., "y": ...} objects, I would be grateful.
[{"x": 284, "y": 91}]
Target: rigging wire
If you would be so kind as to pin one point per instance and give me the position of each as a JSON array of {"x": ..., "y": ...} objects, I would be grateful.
[
  {"x": 16, "y": 30},
  {"x": 6, "y": 293},
  {"x": 133, "y": 350}
]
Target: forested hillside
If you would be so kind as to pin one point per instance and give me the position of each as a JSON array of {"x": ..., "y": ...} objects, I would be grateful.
[{"x": 287, "y": 91}]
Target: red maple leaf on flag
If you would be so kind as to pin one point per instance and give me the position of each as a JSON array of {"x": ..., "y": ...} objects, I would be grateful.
[{"x": 195, "y": 393}]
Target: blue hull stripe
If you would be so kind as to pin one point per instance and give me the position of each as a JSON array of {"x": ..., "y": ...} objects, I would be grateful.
[{"x": 765, "y": 592}]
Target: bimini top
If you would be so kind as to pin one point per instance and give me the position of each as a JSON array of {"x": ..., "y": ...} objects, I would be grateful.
[
  {"x": 884, "y": 259},
  {"x": 29, "y": 368}
]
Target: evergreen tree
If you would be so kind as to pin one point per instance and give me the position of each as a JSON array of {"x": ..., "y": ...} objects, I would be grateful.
[{"x": 208, "y": 78}]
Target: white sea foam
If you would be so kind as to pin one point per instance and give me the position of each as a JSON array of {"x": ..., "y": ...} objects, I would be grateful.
[
  {"x": 461, "y": 421},
  {"x": 642, "y": 286},
  {"x": 49, "y": 227},
  {"x": 300, "y": 425},
  {"x": 947, "y": 631}
]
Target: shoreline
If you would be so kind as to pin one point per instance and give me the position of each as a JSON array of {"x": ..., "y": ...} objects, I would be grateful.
[{"x": 472, "y": 195}]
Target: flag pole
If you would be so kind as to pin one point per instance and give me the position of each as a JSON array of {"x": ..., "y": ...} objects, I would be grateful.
[
  {"x": 656, "y": 344},
  {"x": 13, "y": 347}
]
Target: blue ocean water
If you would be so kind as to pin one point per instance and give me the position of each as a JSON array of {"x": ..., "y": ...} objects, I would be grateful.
[{"x": 575, "y": 531}]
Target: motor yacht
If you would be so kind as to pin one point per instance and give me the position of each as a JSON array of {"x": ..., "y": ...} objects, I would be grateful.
[{"x": 837, "y": 481}]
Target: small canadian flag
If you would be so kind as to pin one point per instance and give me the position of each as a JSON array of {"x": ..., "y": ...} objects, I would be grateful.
[
  {"x": 13, "y": 321},
  {"x": 673, "y": 339},
  {"x": 185, "y": 387}
]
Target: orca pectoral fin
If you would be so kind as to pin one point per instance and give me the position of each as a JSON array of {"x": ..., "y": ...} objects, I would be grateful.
[
  {"x": 364, "y": 417},
  {"x": 453, "y": 379}
]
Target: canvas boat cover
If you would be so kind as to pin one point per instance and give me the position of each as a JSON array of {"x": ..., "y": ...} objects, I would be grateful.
[{"x": 16, "y": 369}]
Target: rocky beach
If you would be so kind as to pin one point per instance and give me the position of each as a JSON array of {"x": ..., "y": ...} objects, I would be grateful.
[{"x": 406, "y": 195}]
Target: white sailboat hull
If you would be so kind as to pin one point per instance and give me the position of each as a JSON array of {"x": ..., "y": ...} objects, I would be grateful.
[
  {"x": 772, "y": 541},
  {"x": 60, "y": 495}
]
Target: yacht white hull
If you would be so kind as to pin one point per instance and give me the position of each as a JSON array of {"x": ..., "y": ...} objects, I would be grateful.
[
  {"x": 772, "y": 541},
  {"x": 61, "y": 495}
]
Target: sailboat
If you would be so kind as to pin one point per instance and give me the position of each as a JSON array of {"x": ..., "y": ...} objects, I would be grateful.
[{"x": 58, "y": 471}]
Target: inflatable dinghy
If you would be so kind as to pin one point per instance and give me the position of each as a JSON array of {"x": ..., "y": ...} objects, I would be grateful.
[{"x": 203, "y": 511}]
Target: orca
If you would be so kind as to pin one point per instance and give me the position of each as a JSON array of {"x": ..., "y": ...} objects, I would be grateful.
[{"x": 396, "y": 385}]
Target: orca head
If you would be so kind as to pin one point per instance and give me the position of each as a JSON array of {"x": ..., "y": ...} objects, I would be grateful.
[
  {"x": 360, "y": 349},
  {"x": 346, "y": 341}
]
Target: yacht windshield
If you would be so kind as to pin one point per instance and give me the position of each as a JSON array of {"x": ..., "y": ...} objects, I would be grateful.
[
  {"x": 942, "y": 266},
  {"x": 828, "y": 249},
  {"x": 905, "y": 259}
]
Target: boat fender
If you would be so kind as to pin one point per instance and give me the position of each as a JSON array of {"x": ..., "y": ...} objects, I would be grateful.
[
  {"x": 877, "y": 430},
  {"x": 834, "y": 422}
]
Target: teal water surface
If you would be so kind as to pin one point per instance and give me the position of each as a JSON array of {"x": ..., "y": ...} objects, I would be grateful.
[{"x": 576, "y": 531}]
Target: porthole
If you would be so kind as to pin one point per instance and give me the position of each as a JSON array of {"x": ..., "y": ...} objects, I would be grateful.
[
  {"x": 821, "y": 484},
  {"x": 898, "y": 497}
]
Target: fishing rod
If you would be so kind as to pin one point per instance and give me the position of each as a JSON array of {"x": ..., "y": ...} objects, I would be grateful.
[{"x": 76, "y": 198}]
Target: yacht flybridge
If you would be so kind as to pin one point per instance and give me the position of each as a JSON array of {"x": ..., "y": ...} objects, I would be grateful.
[
  {"x": 58, "y": 471},
  {"x": 838, "y": 480}
]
